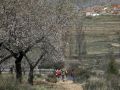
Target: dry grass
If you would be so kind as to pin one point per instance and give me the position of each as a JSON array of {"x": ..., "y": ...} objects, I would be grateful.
[{"x": 8, "y": 82}]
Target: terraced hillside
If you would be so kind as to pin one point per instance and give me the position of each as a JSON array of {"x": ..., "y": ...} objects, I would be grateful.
[{"x": 101, "y": 32}]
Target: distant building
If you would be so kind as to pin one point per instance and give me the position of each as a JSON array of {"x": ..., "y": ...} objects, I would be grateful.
[
  {"x": 106, "y": 10},
  {"x": 92, "y": 14},
  {"x": 93, "y": 11},
  {"x": 88, "y": 11},
  {"x": 116, "y": 9},
  {"x": 113, "y": 9}
]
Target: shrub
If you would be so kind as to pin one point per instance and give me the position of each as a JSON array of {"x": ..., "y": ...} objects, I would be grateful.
[
  {"x": 96, "y": 84},
  {"x": 88, "y": 17},
  {"x": 38, "y": 75},
  {"x": 9, "y": 83},
  {"x": 113, "y": 82},
  {"x": 58, "y": 65},
  {"x": 79, "y": 73},
  {"x": 51, "y": 78},
  {"x": 112, "y": 68}
]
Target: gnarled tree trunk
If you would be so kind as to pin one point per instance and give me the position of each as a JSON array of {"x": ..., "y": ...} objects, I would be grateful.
[
  {"x": 0, "y": 70},
  {"x": 18, "y": 67},
  {"x": 31, "y": 77}
]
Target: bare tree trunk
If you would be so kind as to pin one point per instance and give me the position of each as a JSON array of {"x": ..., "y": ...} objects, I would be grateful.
[
  {"x": 32, "y": 67},
  {"x": 19, "y": 68},
  {"x": 0, "y": 70},
  {"x": 31, "y": 77}
]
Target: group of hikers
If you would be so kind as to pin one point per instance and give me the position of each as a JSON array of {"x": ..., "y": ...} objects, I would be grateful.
[{"x": 63, "y": 75}]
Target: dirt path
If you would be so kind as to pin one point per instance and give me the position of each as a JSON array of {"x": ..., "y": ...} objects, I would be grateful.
[{"x": 69, "y": 85}]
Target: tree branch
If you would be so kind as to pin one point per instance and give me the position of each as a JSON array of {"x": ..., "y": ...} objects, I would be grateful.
[
  {"x": 15, "y": 54},
  {"x": 41, "y": 57},
  {"x": 1, "y": 44},
  {"x": 28, "y": 60},
  {"x": 12, "y": 53},
  {"x": 37, "y": 41},
  {"x": 4, "y": 59},
  {"x": 52, "y": 46}
]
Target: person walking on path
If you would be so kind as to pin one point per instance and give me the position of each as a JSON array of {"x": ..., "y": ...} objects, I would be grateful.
[
  {"x": 63, "y": 75},
  {"x": 73, "y": 75},
  {"x": 58, "y": 74}
]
